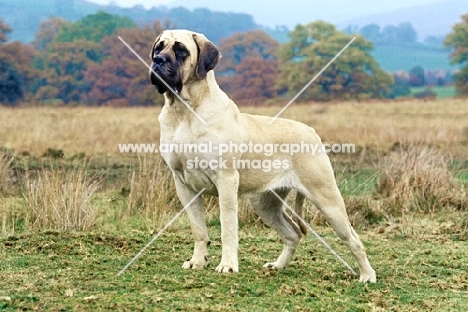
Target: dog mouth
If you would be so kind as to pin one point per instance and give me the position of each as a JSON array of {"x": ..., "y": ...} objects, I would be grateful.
[
  {"x": 162, "y": 78},
  {"x": 156, "y": 77}
]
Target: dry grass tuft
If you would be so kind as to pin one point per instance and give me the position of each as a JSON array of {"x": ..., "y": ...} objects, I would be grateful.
[
  {"x": 12, "y": 216},
  {"x": 416, "y": 178},
  {"x": 6, "y": 173},
  {"x": 60, "y": 200},
  {"x": 152, "y": 193},
  {"x": 247, "y": 215},
  {"x": 362, "y": 212}
]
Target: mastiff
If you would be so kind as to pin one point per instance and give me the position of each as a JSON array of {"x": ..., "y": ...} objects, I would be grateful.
[{"x": 199, "y": 114}]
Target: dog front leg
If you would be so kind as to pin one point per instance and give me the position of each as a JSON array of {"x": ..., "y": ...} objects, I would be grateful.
[
  {"x": 196, "y": 214},
  {"x": 228, "y": 184}
]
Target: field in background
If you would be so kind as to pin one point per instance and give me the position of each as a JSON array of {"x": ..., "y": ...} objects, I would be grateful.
[
  {"x": 97, "y": 131},
  {"x": 405, "y": 189},
  {"x": 441, "y": 92}
]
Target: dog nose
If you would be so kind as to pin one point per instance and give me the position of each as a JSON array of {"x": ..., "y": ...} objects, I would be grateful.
[{"x": 160, "y": 59}]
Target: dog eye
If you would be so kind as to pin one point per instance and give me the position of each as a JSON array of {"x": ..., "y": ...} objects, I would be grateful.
[
  {"x": 180, "y": 50},
  {"x": 158, "y": 48}
]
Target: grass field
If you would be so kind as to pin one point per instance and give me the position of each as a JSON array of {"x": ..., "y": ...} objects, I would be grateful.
[
  {"x": 405, "y": 189},
  {"x": 52, "y": 271},
  {"x": 441, "y": 92}
]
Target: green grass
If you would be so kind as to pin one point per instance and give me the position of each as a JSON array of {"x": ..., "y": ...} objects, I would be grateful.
[
  {"x": 52, "y": 271},
  {"x": 354, "y": 182},
  {"x": 442, "y": 92},
  {"x": 420, "y": 259}
]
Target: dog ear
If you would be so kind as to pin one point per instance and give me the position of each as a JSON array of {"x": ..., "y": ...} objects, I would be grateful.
[
  {"x": 151, "y": 55},
  {"x": 208, "y": 55}
]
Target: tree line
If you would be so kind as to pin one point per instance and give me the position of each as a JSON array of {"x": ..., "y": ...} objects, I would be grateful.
[
  {"x": 403, "y": 33},
  {"x": 214, "y": 24},
  {"x": 84, "y": 62}
]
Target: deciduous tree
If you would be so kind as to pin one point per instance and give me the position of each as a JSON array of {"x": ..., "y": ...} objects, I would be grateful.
[
  {"x": 244, "y": 58},
  {"x": 48, "y": 31},
  {"x": 254, "y": 43},
  {"x": 416, "y": 76},
  {"x": 458, "y": 41},
  {"x": 16, "y": 72},
  {"x": 93, "y": 27},
  {"x": 4, "y": 30},
  {"x": 354, "y": 75},
  {"x": 254, "y": 81},
  {"x": 121, "y": 78},
  {"x": 372, "y": 33},
  {"x": 62, "y": 67},
  {"x": 70, "y": 49},
  {"x": 400, "y": 88}
]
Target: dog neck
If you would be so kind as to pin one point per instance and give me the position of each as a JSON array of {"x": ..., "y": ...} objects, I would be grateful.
[{"x": 195, "y": 92}]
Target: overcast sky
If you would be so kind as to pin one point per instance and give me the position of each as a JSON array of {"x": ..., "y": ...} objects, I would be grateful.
[
  {"x": 280, "y": 12},
  {"x": 131, "y": 3},
  {"x": 363, "y": 4}
]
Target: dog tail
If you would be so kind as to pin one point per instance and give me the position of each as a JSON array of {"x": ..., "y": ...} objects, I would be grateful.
[{"x": 298, "y": 208}]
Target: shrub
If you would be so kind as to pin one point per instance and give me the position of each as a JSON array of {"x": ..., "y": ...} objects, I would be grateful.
[
  {"x": 60, "y": 200},
  {"x": 426, "y": 94},
  {"x": 6, "y": 173},
  {"x": 152, "y": 193},
  {"x": 417, "y": 178}
]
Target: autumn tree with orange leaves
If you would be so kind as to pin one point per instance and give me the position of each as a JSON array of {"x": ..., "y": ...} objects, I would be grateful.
[
  {"x": 16, "y": 72},
  {"x": 457, "y": 40},
  {"x": 254, "y": 81},
  {"x": 68, "y": 50},
  {"x": 247, "y": 69},
  {"x": 121, "y": 79},
  {"x": 48, "y": 31}
]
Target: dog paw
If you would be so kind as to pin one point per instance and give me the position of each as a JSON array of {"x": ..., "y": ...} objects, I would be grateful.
[
  {"x": 273, "y": 266},
  {"x": 368, "y": 277},
  {"x": 195, "y": 265},
  {"x": 226, "y": 268}
]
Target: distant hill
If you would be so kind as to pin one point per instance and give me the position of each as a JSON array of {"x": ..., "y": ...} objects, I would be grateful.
[
  {"x": 429, "y": 17},
  {"x": 400, "y": 57},
  {"x": 24, "y": 17},
  {"x": 433, "y": 19},
  {"x": 432, "y": 22}
]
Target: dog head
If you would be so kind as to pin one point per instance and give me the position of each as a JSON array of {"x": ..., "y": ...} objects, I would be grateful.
[{"x": 179, "y": 56}]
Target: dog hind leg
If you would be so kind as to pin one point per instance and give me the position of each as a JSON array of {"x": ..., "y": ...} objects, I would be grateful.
[
  {"x": 269, "y": 209},
  {"x": 324, "y": 193}
]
